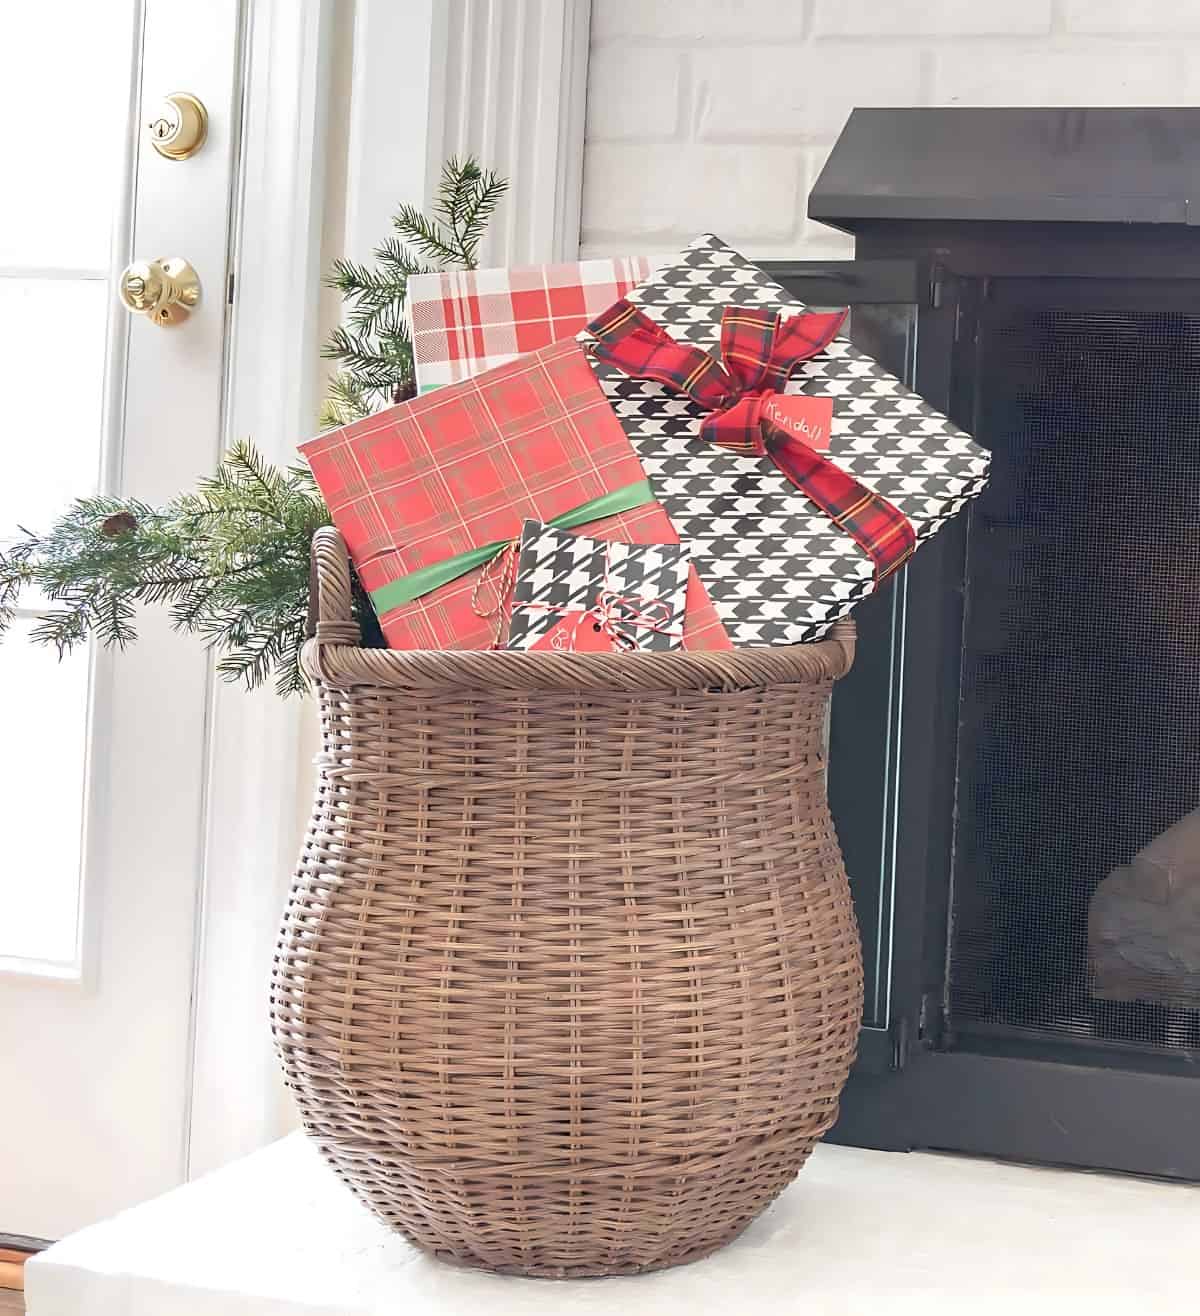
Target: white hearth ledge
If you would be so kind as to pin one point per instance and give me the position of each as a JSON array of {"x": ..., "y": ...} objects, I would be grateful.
[{"x": 859, "y": 1232}]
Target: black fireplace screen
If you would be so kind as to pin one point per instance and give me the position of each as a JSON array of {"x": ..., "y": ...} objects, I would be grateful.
[{"x": 1076, "y": 908}]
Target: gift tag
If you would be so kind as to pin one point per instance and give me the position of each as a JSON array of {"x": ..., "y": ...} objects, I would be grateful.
[
  {"x": 806, "y": 418},
  {"x": 577, "y": 632}
]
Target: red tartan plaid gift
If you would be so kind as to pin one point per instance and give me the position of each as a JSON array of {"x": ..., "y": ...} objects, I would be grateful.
[{"x": 430, "y": 493}]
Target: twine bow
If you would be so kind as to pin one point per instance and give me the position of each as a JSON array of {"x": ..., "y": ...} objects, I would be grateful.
[
  {"x": 759, "y": 350},
  {"x": 621, "y": 616}
]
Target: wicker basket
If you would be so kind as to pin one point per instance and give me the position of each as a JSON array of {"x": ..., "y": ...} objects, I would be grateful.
[{"x": 569, "y": 980}]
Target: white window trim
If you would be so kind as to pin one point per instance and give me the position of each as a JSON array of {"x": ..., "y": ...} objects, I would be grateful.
[
  {"x": 431, "y": 78},
  {"x": 506, "y": 83},
  {"x": 513, "y": 93}
]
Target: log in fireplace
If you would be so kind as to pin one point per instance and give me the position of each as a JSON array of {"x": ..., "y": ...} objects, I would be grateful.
[{"x": 1015, "y": 762}]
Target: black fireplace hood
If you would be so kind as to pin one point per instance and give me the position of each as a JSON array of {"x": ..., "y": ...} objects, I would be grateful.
[{"x": 1105, "y": 166}]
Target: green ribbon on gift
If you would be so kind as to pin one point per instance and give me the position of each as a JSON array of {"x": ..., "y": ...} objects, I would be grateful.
[{"x": 406, "y": 588}]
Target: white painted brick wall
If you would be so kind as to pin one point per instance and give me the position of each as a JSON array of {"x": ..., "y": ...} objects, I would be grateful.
[
  {"x": 718, "y": 114},
  {"x": 931, "y": 18}
]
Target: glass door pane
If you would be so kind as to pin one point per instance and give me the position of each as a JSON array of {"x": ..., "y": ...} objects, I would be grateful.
[
  {"x": 44, "y": 707},
  {"x": 1077, "y": 827},
  {"x": 67, "y": 63},
  {"x": 69, "y": 182}
]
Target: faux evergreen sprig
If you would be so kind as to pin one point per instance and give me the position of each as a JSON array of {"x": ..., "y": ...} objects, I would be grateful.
[
  {"x": 466, "y": 199},
  {"x": 230, "y": 559},
  {"x": 373, "y": 345}
]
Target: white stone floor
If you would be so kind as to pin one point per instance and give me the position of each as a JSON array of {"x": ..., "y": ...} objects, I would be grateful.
[{"x": 859, "y": 1232}]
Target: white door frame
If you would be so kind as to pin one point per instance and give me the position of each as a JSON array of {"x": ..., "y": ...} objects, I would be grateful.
[
  {"x": 255, "y": 780},
  {"x": 431, "y": 78}
]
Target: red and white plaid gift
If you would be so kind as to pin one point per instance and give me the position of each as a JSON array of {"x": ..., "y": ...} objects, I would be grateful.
[
  {"x": 430, "y": 493},
  {"x": 464, "y": 322}
]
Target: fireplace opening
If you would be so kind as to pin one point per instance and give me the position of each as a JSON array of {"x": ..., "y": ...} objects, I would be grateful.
[
  {"x": 1015, "y": 758},
  {"x": 1075, "y": 911}
]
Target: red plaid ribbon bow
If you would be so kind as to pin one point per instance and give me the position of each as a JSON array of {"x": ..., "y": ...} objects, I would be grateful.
[{"x": 759, "y": 351}]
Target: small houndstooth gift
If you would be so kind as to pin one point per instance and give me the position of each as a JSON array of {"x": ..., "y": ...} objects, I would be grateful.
[{"x": 575, "y": 593}]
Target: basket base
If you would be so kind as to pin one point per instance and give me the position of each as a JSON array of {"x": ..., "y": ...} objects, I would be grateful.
[
  {"x": 590, "y": 1255},
  {"x": 596, "y": 1271}
]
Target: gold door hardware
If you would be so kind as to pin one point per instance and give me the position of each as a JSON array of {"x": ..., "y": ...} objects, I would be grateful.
[
  {"x": 165, "y": 289},
  {"x": 179, "y": 126}
]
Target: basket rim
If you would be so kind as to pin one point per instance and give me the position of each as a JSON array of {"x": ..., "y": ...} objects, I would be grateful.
[{"x": 332, "y": 659}]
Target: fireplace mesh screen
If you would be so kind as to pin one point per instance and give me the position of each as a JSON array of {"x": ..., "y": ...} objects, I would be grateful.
[{"x": 1080, "y": 718}]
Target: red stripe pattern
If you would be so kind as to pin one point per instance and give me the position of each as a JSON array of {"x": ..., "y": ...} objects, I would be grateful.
[{"x": 759, "y": 351}]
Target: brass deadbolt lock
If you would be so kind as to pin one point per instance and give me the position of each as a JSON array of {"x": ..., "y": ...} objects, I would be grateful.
[
  {"x": 179, "y": 126},
  {"x": 165, "y": 290}
]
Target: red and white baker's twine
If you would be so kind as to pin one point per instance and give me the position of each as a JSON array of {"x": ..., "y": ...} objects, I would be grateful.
[
  {"x": 617, "y": 614},
  {"x": 500, "y": 582}
]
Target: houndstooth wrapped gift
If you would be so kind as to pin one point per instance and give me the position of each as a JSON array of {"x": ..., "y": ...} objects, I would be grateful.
[
  {"x": 467, "y": 321},
  {"x": 780, "y": 568}
]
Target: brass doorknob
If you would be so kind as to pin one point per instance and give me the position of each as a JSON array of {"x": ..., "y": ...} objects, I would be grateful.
[{"x": 165, "y": 289}]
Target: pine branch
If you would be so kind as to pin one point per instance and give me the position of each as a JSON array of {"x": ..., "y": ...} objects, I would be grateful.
[
  {"x": 372, "y": 346},
  {"x": 263, "y": 652},
  {"x": 375, "y": 296},
  {"x": 383, "y": 364},
  {"x": 349, "y": 277},
  {"x": 485, "y": 194},
  {"x": 455, "y": 189},
  {"x": 398, "y": 261},
  {"x": 346, "y": 401},
  {"x": 17, "y": 564},
  {"x": 438, "y": 243},
  {"x": 229, "y": 559}
]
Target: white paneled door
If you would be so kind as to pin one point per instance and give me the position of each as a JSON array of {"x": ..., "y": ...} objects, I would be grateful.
[{"x": 102, "y": 778}]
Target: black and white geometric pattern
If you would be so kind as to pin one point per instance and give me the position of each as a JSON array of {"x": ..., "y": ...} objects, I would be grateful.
[
  {"x": 559, "y": 573},
  {"x": 777, "y": 570}
]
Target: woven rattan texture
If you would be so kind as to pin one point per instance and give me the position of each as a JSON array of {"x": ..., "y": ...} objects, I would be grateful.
[{"x": 569, "y": 980}]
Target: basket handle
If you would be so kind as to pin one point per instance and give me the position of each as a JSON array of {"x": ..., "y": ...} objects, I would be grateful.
[
  {"x": 330, "y": 613},
  {"x": 845, "y": 633}
]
